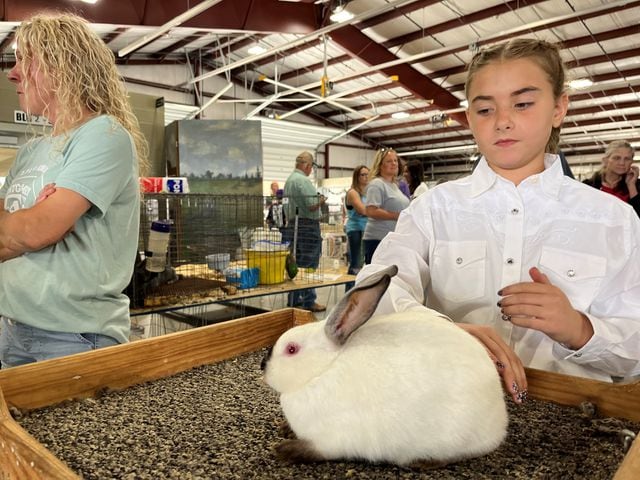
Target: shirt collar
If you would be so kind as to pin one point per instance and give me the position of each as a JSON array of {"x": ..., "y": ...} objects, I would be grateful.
[
  {"x": 483, "y": 177},
  {"x": 553, "y": 175}
]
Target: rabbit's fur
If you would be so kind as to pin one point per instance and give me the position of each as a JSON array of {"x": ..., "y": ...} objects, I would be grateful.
[{"x": 404, "y": 388}]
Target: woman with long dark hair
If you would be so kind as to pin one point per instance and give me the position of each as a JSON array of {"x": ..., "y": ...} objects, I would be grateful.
[{"x": 356, "y": 217}]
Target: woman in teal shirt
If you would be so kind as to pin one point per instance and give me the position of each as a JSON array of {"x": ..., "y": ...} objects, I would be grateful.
[
  {"x": 356, "y": 218},
  {"x": 69, "y": 210}
]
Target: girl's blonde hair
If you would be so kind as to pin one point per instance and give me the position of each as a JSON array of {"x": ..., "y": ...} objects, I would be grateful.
[
  {"x": 377, "y": 162},
  {"x": 81, "y": 73},
  {"x": 545, "y": 54}
]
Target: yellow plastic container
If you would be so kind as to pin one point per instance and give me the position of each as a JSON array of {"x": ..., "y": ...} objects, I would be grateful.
[{"x": 271, "y": 265}]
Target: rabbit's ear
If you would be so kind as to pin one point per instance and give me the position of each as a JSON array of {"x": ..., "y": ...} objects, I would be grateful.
[{"x": 357, "y": 306}]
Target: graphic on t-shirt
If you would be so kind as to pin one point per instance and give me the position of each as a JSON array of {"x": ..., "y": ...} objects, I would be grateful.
[{"x": 24, "y": 188}]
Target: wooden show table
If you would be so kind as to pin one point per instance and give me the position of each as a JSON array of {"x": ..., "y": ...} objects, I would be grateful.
[{"x": 87, "y": 374}]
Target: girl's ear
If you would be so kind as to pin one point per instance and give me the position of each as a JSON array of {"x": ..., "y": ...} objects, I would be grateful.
[{"x": 560, "y": 111}]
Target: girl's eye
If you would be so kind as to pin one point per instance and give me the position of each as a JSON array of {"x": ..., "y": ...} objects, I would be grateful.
[
  {"x": 291, "y": 349},
  {"x": 483, "y": 111},
  {"x": 523, "y": 105}
]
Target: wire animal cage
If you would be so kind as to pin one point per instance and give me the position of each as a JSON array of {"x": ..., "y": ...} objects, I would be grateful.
[
  {"x": 217, "y": 245},
  {"x": 205, "y": 241}
]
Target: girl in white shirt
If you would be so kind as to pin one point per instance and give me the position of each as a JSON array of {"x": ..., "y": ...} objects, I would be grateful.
[{"x": 542, "y": 269}]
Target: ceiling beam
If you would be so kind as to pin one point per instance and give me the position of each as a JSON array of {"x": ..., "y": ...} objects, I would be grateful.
[
  {"x": 161, "y": 55},
  {"x": 164, "y": 28},
  {"x": 573, "y": 43},
  {"x": 585, "y": 62},
  {"x": 529, "y": 28},
  {"x": 395, "y": 13},
  {"x": 634, "y": 72},
  {"x": 305, "y": 39},
  {"x": 486, "y": 13},
  {"x": 362, "y": 25},
  {"x": 572, "y": 112},
  {"x": 372, "y": 53},
  {"x": 314, "y": 67},
  {"x": 461, "y": 21}
]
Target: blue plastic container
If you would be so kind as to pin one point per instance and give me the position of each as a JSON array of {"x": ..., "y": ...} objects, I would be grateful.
[{"x": 244, "y": 278}]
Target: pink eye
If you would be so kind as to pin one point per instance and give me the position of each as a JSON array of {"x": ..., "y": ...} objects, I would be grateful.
[{"x": 291, "y": 348}]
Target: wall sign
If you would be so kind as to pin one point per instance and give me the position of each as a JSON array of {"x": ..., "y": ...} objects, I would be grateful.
[{"x": 22, "y": 117}]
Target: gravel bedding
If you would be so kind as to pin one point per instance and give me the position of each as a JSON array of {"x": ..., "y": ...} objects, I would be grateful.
[{"x": 220, "y": 422}]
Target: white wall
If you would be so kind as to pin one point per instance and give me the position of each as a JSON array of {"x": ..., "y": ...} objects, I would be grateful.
[{"x": 344, "y": 158}]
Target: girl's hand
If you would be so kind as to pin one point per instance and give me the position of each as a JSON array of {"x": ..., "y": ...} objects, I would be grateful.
[
  {"x": 507, "y": 362},
  {"x": 544, "y": 307},
  {"x": 48, "y": 190}
]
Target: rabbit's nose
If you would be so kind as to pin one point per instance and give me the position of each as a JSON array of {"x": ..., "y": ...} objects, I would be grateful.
[{"x": 265, "y": 359}]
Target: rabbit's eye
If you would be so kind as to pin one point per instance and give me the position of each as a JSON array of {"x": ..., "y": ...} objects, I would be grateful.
[{"x": 292, "y": 348}]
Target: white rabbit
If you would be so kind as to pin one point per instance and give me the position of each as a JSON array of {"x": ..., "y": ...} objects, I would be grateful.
[{"x": 410, "y": 388}]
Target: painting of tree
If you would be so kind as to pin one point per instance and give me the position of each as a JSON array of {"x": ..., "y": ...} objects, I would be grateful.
[{"x": 217, "y": 156}]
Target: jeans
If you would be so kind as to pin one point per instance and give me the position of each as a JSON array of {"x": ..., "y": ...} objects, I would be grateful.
[
  {"x": 21, "y": 344},
  {"x": 355, "y": 255},
  {"x": 308, "y": 251},
  {"x": 369, "y": 249}
]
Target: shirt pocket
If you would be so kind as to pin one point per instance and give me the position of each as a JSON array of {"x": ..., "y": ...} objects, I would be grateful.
[
  {"x": 458, "y": 270},
  {"x": 578, "y": 275}
]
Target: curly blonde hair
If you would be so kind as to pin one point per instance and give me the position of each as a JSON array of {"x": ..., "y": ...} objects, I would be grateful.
[{"x": 80, "y": 71}]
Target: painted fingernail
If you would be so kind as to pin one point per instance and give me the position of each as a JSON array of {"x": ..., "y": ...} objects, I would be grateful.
[
  {"x": 500, "y": 365},
  {"x": 500, "y": 292},
  {"x": 522, "y": 396},
  {"x": 506, "y": 318},
  {"x": 514, "y": 387},
  {"x": 499, "y": 303}
]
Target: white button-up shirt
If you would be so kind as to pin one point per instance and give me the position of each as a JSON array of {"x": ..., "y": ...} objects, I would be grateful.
[{"x": 457, "y": 245}]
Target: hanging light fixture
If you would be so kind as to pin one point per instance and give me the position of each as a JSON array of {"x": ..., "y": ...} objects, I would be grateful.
[
  {"x": 339, "y": 14},
  {"x": 256, "y": 49},
  {"x": 400, "y": 115}
]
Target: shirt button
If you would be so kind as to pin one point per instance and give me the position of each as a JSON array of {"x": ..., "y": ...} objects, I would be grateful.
[
  {"x": 571, "y": 273},
  {"x": 510, "y": 261},
  {"x": 578, "y": 355},
  {"x": 459, "y": 260},
  {"x": 515, "y": 211}
]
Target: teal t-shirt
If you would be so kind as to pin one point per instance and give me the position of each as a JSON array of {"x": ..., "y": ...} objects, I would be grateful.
[
  {"x": 301, "y": 194},
  {"x": 76, "y": 284}
]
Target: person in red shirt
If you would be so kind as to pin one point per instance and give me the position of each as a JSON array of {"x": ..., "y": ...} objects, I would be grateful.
[{"x": 618, "y": 176}]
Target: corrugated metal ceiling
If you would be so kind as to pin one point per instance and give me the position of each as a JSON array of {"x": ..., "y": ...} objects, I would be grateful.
[{"x": 425, "y": 43}]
